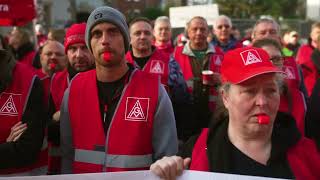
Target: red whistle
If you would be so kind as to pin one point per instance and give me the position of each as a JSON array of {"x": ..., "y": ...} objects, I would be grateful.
[
  {"x": 52, "y": 66},
  {"x": 263, "y": 119},
  {"x": 106, "y": 56}
]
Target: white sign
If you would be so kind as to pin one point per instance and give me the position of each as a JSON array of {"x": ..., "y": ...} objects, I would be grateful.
[
  {"x": 140, "y": 175},
  {"x": 179, "y": 16}
]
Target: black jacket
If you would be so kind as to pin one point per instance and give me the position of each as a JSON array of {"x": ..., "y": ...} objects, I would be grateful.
[
  {"x": 25, "y": 150},
  {"x": 224, "y": 157}
]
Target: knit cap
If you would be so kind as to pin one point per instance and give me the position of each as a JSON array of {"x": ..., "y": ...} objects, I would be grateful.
[
  {"x": 110, "y": 15},
  {"x": 75, "y": 34}
]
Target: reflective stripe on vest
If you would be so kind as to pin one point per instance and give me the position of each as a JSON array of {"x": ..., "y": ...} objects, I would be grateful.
[
  {"x": 120, "y": 161},
  {"x": 34, "y": 172},
  {"x": 44, "y": 143}
]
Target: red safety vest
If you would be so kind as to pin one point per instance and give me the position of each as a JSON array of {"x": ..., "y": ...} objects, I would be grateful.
[
  {"x": 157, "y": 64},
  {"x": 298, "y": 103},
  {"x": 215, "y": 61},
  {"x": 310, "y": 73},
  {"x": 128, "y": 144},
  {"x": 166, "y": 48},
  {"x": 13, "y": 102},
  {"x": 28, "y": 58},
  {"x": 303, "y": 158},
  {"x": 59, "y": 83}
]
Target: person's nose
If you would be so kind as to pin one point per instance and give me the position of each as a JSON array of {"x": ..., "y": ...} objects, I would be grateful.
[
  {"x": 199, "y": 32},
  {"x": 53, "y": 56},
  {"x": 261, "y": 99},
  {"x": 105, "y": 39},
  {"x": 79, "y": 53},
  {"x": 143, "y": 36}
]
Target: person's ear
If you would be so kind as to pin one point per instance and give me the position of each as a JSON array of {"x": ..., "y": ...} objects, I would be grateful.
[{"x": 225, "y": 98}]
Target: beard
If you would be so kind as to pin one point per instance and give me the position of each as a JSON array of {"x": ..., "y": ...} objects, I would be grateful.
[{"x": 115, "y": 59}]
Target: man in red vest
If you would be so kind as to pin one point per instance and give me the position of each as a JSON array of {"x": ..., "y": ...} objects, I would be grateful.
[
  {"x": 149, "y": 58},
  {"x": 115, "y": 117},
  {"x": 52, "y": 59},
  {"x": 143, "y": 54},
  {"x": 80, "y": 59},
  {"x": 162, "y": 34},
  {"x": 195, "y": 56},
  {"x": 223, "y": 38},
  {"x": 22, "y": 115},
  {"x": 304, "y": 59}
]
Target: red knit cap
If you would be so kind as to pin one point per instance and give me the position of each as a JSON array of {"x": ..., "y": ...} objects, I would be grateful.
[{"x": 75, "y": 34}]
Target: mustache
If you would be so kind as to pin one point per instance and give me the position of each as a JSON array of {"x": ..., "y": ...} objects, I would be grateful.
[
  {"x": 54, "y": 60},
  {"x": 106, "y": 50}
]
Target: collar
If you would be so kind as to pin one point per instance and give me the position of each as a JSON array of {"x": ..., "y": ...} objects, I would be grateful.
[{"x": 187, "y": 50}]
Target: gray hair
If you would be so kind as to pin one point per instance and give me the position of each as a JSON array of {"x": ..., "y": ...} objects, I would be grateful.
[
  {"x": 265, "y": 20},
  {"x": 222, "y": 17},
  {"x": 162, "y": 19},
  {"x": 196, "y": 17}
]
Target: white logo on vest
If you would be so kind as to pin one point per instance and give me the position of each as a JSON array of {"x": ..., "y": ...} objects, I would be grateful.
[
  {"x": 137, "y": 109},
  {"x": 218, "y": 60},
  {"x": 250, "y": 57},
  {"x": 157, "y": 67},
  {"x": 9, "y": 107},
  {"x": 289, "y": 72}
]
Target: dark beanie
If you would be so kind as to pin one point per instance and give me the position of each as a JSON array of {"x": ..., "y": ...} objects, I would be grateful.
[{"x": 110, "y": 15}]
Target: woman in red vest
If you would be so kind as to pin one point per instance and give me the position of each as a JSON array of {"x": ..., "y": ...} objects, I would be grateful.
[
  {"x": 22, "y": 117},
  {"x": 249, "y": 136}
]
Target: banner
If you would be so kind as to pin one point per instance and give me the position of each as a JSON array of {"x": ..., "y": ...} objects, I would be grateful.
[{"x": 139, "y": 175}]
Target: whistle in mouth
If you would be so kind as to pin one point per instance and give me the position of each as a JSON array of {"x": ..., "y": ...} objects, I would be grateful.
[{"x": 263, "y": 119}]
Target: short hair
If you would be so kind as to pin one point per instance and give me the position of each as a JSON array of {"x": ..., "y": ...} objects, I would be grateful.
[
  {"x": 140, "y": 19},
  {"x": 162, "y": 19},
  {"x": 193, "y": 18},
  {"x": 57, "y": 34},
  {"x": 25, "y": 34},
  {"x": 222, "y": 17},
  {"x": 267, "y": 42},
  {"x": 315, "y": 25},
  {"x": 265, "y": 20}
]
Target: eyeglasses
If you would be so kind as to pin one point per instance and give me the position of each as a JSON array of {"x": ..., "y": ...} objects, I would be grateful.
[{"x": 226, "y": 26}]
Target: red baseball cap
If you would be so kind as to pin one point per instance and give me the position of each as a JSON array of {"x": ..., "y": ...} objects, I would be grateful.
[{"x": 242, "y": 64}]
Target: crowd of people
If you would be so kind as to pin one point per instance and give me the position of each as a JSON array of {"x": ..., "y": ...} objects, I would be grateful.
[{"x": 113, "y": 95}]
